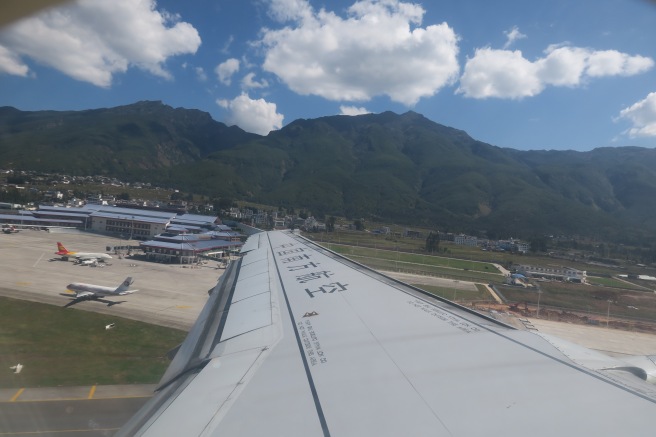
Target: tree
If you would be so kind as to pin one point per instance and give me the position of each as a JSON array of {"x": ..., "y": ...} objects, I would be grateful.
[
  {"x": 330, "y": 224},
  {"x": 177, "y": 195},
  {"x": 359, "y": 225},
  {"x": 432, "y": 242},
  {"x": 538, "y": 244},
  {"x": 224, "y": 203},
  {"x": 16, "y": 180}
]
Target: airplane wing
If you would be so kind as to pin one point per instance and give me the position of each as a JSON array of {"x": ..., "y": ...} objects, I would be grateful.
[
  {"x": 75, "y": 299},
  {"x": 88, "y": 297},
  {"x": 296, "y": 340},
  {"x": 110, "y": 302},
  {"x": 73, "y": 302}
]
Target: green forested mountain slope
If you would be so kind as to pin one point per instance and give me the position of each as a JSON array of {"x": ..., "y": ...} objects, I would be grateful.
[
  {"x": 118, "y": 141},
  {"x": 404, "y": 168}
]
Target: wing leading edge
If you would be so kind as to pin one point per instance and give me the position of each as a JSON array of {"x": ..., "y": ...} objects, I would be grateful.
[{"x": 296, "y": 340}]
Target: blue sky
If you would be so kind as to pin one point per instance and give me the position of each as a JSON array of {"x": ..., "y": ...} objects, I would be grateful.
[{"x": 542, "y": 74}]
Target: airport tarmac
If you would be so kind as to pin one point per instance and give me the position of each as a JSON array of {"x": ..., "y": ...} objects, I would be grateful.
[
  {"x": 169, "y": 294},
  {"x": 48, "y": 415}
]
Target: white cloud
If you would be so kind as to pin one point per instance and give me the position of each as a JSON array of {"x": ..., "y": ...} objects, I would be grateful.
[
  {"x": 290, "y": 10},
  {"x": 249, "y": 82},
  {"x": 93, "y": 40},
  {"x": 563, "y": 66},
  {"x": 200, "y": 74},
  {"x": 378, "y": 49},
  {"x": 225, "y": 70},
  {"x": 512, "y": 35},
  {"x": 10, "y": 63},
  {"x": 256, "y": 116},
  {"x": 499, "y": 73},
  {"x": 508, "y": 74},
  {"x": 353, "y": 110},
  {"x": 226, "y": 47},
  {"x": 643, "y": 116},
  {"x": 614, "y": 63}
]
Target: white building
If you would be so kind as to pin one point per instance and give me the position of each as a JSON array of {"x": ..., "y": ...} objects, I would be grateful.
[
  {"x": 561, "y": 273},
  {"x": 465, "y": 240}
]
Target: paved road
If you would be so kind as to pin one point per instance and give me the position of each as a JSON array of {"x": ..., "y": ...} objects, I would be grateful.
[
  {"x": 612, "y": 342},
  {"x": 410, "y": 278}
]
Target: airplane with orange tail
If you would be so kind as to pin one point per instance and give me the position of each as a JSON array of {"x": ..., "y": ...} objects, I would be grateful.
[{"x": 80, "y": 256}]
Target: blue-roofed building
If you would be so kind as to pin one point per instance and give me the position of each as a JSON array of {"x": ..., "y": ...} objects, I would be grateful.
[
  {"x": 133, "y": 223},
  {"x": 188, "y": 248},
  {"x": 28, "y": 220},
  {"x": 206, "y": 222}
]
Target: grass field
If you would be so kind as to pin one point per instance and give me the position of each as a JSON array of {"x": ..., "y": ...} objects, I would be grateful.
[
  {"x": 396, "y": 242},
  {"x": 480, "y": 295},
  {"x": 59, "y": 346},
  {"x": 428, "y": 265},
  {"x": 597, "y": 300}
]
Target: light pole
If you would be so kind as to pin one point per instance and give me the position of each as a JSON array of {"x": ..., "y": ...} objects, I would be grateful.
[
  {"x": 608, "y": 313},
  {"x": 538, "y": 313}
]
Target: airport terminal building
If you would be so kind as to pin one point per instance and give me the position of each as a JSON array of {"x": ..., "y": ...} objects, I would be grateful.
[
  {"x": 129, "y": 223},
  {"x": 167, "y": 236},
  {"x": 191, "y": 248}
]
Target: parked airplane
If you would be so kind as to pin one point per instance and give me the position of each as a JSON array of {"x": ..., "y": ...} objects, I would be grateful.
[
  {"x": 81, "y": 256},
  {"x": 9, "y": 229},
  {"x": 97, "y": 292},
  {"x": 297, "y": 340}
]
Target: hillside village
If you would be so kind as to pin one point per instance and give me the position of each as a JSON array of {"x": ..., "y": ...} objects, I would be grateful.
[{"x": 26, "y": 193}]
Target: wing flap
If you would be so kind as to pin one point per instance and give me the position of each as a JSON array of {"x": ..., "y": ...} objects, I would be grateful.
[{"x": 197, "y": 410}]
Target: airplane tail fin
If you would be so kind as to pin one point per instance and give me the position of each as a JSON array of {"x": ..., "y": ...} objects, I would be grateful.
[
  {"x": 61, "y": 250},
  {"x": 124, "y": 286}
]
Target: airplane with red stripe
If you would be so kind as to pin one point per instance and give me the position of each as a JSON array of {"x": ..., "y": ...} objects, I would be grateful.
[{"x": 80, "y": 256}]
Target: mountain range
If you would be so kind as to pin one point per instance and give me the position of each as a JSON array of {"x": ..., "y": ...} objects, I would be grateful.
[{"x": 389, "y": 167}]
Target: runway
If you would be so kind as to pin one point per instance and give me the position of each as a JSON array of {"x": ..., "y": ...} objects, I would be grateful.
[{"x": 76, "y": 411}]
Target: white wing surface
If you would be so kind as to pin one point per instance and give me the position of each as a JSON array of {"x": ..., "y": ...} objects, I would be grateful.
[{"x": 296, "y": 340}]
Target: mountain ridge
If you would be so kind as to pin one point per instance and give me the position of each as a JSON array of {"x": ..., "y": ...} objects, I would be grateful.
[{"x": 387, "y": 166}]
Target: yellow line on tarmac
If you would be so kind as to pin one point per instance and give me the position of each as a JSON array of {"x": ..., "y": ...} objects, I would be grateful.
[
  {"x": 18, "y": 393},
  {"x": 92, "y": 392}
]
